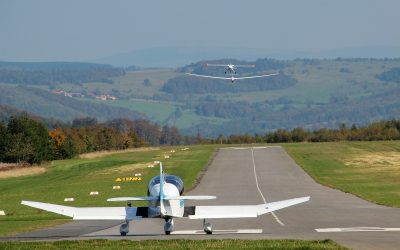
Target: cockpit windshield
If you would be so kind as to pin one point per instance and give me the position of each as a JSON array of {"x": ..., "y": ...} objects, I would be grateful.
[{"x": 173, "y": 179}]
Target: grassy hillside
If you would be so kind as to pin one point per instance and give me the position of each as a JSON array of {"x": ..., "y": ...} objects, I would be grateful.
[
  {"x": 323, "y": 93},
  {"x": 370, "y": 170},
  {"x": 96, "y": 172}
]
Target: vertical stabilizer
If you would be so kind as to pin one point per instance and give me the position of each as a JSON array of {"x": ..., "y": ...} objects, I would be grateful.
[{"x": 161, "y": 183}]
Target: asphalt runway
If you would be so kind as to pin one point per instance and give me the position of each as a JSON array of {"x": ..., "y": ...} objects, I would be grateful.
[{"x": 330, "y": 213}]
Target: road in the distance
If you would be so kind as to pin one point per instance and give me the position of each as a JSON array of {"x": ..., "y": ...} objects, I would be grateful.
[{"x": 231, "y": 177}]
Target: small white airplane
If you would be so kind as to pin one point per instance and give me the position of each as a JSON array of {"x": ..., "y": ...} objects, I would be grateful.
[
  {"x": 231, "y": 68},
  {"x": 233, "y": 78},
  {"x": 166, "y": 202}
]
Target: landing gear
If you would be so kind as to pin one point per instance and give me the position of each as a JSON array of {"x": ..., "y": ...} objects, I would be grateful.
[
  {"x": 169, "y": 226},
  {"x": 124, "y": 228},
  {"x": 207, "y": 227}
]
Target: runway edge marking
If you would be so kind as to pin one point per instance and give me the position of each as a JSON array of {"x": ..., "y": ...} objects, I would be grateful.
[
  {"x": 259, "y": 190},
  {"x": 356, "y": 229}
]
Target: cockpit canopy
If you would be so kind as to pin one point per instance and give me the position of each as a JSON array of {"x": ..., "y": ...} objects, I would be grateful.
[{"x": 173, "y": 179}]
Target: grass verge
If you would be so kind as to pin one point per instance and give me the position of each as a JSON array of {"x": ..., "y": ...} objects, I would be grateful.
[
  {"x": 370, "y": 170},
  {"x": 78, "y": 177},
  {"x": 176, "y": 244}
]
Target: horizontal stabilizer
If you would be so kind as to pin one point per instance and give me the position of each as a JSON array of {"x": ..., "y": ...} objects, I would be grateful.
[
  {"x": 192, "y": 197},
  {"x": 138, "y": 198},
  {"x": 242, "y": 211}
]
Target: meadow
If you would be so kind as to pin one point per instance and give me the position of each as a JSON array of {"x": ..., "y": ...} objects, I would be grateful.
[
  {"x": 78, "y": 177},
  {"x": 370, "y": 170}
]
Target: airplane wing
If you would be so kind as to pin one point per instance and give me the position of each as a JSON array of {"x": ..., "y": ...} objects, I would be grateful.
[
  {"x": 250, "y": 77},
  {"x": 92, "y": 213},
  {"x": 216, "y": 65},
  {"x": 214, "y": 77},
  {"x": 244, "y": 211},
  {"x": 245, "y": 66}
]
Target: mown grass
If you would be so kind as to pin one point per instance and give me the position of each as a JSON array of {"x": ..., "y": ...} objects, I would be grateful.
[
  {"x": 352, "y": 167},
  {"x": 78, "y": 177},
  {"x": 176, "y": 244}
]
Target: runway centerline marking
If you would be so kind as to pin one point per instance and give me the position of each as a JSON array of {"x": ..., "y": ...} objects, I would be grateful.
[
  {"x": 356, "y": 229},
  {"x": 259, "y": 190}
]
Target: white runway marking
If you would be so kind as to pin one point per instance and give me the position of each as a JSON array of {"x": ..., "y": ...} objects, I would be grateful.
[
  {"x": 259, "y": 190},
  {"x": 227, "y": 231},
  {"x": 356, "y": 229}
]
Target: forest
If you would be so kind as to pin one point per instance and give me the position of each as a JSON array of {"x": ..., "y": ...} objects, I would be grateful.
[{"x": 27, "y": 140}]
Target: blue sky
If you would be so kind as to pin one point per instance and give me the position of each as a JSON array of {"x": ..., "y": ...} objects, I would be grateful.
[{"x": 73, "y": 30}]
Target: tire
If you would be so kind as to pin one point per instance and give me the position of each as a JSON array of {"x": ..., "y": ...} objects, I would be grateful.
[
  {"x": 167, "y": 232},
  {"x": 123, "y": 233}
]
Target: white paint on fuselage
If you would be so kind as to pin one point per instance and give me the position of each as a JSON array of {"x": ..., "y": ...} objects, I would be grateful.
[{"x": 168, "y": 208}]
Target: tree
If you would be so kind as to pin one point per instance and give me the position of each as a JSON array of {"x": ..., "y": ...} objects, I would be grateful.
[{"x": 30, "y": 141}]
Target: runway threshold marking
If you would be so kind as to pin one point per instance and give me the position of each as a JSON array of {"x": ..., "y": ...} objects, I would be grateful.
[
  {"x": 227, "y": 231},
  {"x": 259, "y": 190},
  {"x": 356, "y": 229}
]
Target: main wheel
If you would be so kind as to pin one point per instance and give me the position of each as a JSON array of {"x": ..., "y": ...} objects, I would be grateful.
[
  {"x": 167, "y": 232},
  {"x": 123, "y": 233}
]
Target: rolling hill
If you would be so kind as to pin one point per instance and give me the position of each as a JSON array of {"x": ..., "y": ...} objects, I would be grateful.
[{"x": 311, "y": 93}]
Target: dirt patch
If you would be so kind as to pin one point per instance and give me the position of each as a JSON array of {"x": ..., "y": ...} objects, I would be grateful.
[
  {"x": 381, "y": 160},
  {"x": 105, "y": 153},
  {"x": 25, "y": 171}
]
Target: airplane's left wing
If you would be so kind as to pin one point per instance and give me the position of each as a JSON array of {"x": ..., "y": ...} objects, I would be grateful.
[
  {"x": 92, "y": 213},
  {"x": 251, "y": 77},
  {"x": 243, "y": 211}
]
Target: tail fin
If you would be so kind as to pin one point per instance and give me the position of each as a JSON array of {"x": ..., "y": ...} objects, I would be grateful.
[{"x": 161, "y": 183}]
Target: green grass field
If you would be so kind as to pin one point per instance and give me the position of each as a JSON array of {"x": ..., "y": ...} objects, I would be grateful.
[
  {"x": 176, "y": 244},
  {"x": 370, "y": 170},
  {"x": 78, "y": 177}
]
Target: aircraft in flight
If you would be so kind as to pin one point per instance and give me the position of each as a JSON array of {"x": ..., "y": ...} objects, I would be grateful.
[
  {"x": 231, "y": 69},
  {"x": 165, "y": 202}
]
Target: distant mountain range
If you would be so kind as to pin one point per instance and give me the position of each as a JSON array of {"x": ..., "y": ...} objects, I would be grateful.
[{"x": 170, "y": 57}]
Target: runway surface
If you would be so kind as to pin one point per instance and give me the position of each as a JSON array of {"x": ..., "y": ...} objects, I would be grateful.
[{"x": 232, "y": 176}]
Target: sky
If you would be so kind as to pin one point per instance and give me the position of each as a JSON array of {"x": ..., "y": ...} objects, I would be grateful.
[{"x": 76, "y": 30}]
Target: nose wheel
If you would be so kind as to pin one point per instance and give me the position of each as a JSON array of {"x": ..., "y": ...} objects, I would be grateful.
[{"x": 207, "y": 227}]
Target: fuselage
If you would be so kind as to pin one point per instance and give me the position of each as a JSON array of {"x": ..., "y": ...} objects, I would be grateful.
[{"x": 172, "y": 187}]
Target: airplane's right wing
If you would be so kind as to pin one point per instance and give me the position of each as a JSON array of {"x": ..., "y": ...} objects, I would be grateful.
[
  {"x": 243, "y": 211},
  {"x": 214, "y": 77}
]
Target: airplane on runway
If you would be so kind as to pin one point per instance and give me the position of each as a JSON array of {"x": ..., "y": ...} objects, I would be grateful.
[
  {"x": 231, "y": 69},
  {"x": 165, "y": 201}
]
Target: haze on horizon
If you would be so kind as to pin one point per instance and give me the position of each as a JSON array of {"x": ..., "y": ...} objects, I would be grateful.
[{"x": 48, "y": 30}]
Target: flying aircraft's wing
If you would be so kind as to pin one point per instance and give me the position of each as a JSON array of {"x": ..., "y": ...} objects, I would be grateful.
[
  {"x": 244, "y": 211},
  {"x": 214, "y": 77},
  {"x": 92, "y": 213},
  {"x": 216, "y": 65},
  {"x": 250, "y": 77},
  {"x": 245, "y": 66}
]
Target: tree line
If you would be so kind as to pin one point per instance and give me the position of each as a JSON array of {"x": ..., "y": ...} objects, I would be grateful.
[
  {"x": 376, "y": 131},
  {"x": 27, "y": 140}
]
